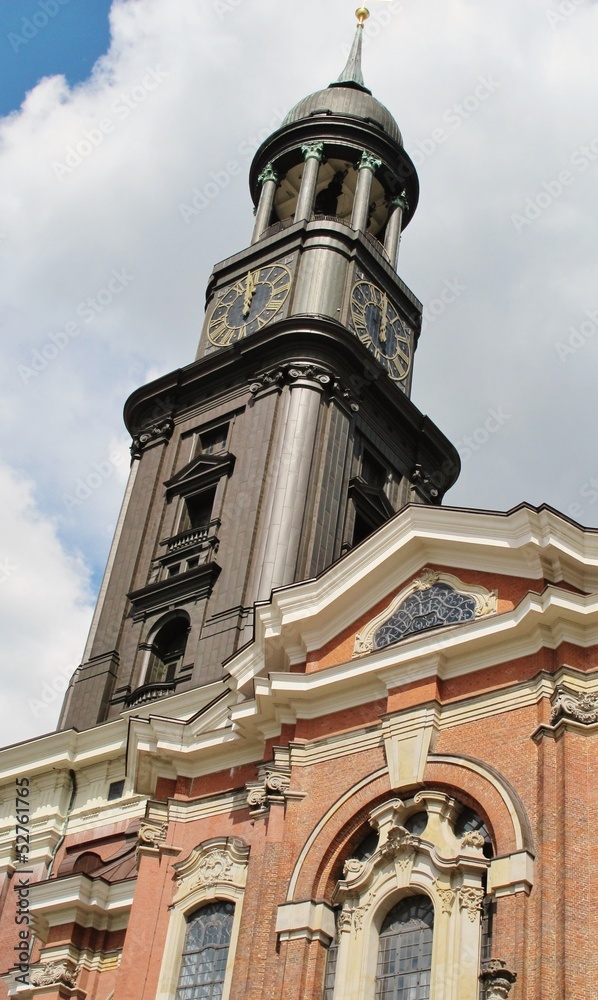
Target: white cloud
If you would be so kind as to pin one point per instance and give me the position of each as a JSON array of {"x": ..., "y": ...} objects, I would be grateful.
[
  {"x": 189, "y": 88},
  {"x": 45, "y": 607}
]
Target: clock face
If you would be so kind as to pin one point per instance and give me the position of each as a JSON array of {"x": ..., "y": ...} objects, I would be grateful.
[
  {"x": 249, "y": 304},
  {"x": 379, "y": 326}
]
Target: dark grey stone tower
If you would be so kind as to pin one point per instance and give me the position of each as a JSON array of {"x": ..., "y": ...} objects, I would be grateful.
[{"x": 292, "y": 436}]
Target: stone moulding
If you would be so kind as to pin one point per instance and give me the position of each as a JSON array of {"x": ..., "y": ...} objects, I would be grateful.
[
  {"x": 219, "y": 862},
  {"x": 486, "y": 603}
]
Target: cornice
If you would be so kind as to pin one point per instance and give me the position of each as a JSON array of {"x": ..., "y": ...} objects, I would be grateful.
[
  {"x": 526, "y": 542},
  {"x": 68, "y": 749}
]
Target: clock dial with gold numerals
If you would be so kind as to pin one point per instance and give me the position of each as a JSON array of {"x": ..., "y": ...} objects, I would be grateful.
[
  {"x": 379, "y": 326},
  {"x": 247, "y": 306}
]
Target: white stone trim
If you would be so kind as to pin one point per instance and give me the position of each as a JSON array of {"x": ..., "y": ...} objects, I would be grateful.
[
  {"x": 436, "y": 865},
  {"x": 308, "y": 920},
  {"x": 194, "y": 890}
]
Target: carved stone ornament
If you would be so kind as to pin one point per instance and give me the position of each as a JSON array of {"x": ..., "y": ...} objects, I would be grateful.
[
  {"x": 215, "y": 867},
  {"x": 277, "y": 781},
  {"x": 220, "y": 861},
  {"x": 478, "y": 600},
  {"x": 473, "y": 838},
  {"x": 497, "y": 979},
  {"x": 400, "y": 846},
  {"x": 352, "y": 868},
  {"x": 446, "y": 895},
  {"x": 152, "y": 835},
  {"x": 317, "y": 375},
  {"x": 257, "y": 798},
  {"x": 471, "y": 899},
  {"x": 579, "y": 706},
  {"x": 53, "y": 973},
  {"x": 153, "y": 434},
  {"x": 272, "y": 783}
]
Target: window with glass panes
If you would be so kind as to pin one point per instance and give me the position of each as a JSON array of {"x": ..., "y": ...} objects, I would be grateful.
[
  {"x": 205, "y": 953},
  {"x": 405, "y": 951}
]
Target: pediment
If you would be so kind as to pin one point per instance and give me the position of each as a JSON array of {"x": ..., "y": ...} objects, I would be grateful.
[{"x": 202, "y": 471}]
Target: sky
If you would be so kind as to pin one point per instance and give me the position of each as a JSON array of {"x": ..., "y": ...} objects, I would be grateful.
[{"x": 115, "y": 116}]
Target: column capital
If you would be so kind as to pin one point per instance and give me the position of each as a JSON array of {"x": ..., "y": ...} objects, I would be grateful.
[
  {"x": 268, "y": 174},
  {"x": 400, "y": 201},
  {"x": 369, "y": 162},
  {"x": 313, "y": 150},
  {"x": 497, "y": 979}
]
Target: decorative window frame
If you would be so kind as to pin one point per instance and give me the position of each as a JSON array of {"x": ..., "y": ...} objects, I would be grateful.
[
  {"x": 437, "y": 864},
  {"x": 486, "y": 604},
  {"x": 215, "y": 870}
]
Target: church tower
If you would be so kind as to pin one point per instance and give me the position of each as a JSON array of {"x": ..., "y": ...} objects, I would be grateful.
[
  {"x": 315, "y": 751},
  {"x": 292, "y": 437}
]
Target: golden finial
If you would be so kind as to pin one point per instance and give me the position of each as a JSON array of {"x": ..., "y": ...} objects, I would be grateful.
[{"x": 362, "y": 14}]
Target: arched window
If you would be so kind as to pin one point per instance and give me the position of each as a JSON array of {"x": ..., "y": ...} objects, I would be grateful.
[
  {"x": 437, "y": 605},
  {"x": 405, "y": 951},
  {"x": 205, "y": 952},
  {"x": 167, "y": 650}
]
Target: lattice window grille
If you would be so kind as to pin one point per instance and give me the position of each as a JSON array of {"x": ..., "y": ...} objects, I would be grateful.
[
  {"x": 205, "y": 953},
  {"x": 405, "y": 951},
  {"x": 433, "y": 607}
]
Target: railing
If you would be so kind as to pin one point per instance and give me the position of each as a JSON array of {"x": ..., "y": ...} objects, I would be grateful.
[
  {"x": 149, "y": 692},
  {"x": 193, "y": 536}
]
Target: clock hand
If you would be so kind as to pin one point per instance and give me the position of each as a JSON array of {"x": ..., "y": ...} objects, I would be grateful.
[
  {"x": 249, "y": 293},
  {"x": 383, "y": 321}
]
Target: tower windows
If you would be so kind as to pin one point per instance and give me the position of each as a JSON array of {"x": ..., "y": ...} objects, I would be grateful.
[
  {"x": 405, "y": 951},
  {"x": 369, "y": 506},
  {"x": 213, "y": 441},
  {"x": 197, "y": 510},
  {"x": 168, "y": 650},
  {"x": 205, "y": 952}
]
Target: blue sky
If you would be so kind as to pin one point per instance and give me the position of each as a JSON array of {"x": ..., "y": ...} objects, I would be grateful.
[{"x": 43, "y": 37}]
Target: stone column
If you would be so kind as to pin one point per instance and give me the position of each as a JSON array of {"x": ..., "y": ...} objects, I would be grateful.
[
  {"x": 313, "y": 153},
  {"x": 269, "y": 181},
  {"x": 398, "y": 206},
  {"x": 367, "y": 167},
  {"x": 497, "y": 979}
]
